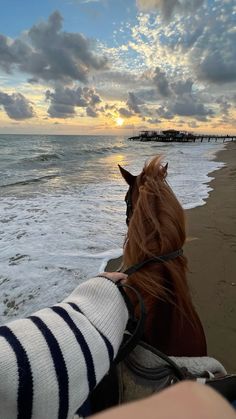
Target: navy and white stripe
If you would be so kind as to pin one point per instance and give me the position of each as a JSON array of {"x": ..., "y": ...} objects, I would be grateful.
[
  {"x": 51, "y": 361},
  {"x": 83, "y": 345},
  {"x": 59, "y": 364},
  {"x": 108, "y": 344},
  {"x": 25, "y": 386}
]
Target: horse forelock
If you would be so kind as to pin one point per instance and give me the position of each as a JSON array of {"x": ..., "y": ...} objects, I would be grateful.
[
  {"x": 154, "y": 168},
  {"x": 157, "y": 227}
]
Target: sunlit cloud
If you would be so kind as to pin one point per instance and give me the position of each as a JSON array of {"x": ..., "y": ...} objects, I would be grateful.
[
  {"x": 64, "y": 101},
  {"x": 179, "y": 70},
  {"x": 167, "y": 8}
]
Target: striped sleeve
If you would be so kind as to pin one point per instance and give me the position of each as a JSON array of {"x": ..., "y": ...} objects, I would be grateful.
[{"x": 51, "y": 361}]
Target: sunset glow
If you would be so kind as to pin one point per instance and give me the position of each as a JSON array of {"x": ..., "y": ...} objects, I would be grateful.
[
  {"x": 88, "y": 67},
  {"x": 120, "y": 122}
]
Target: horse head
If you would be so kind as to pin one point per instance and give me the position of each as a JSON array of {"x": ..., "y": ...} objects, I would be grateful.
[
  {"x": 155, "y": 218},
  {"x": 156, "y": 228}
]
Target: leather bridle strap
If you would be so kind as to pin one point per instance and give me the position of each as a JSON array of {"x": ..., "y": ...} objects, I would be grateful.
[
  {"x": 130, "y": 341},
  {"x": 129, "y": 207},
  {"x": 157, "y": 259}
]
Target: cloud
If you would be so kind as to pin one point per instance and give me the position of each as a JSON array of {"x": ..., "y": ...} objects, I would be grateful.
[
  {"x": 154, "y": 121},
  {"x": 193, "y": 124},
  {"x": 168, "y": 7},
  {"x": 49, "y": 54},
  {"x": 164, "y": 112},
  {"x": 64, "y": 100},
  {"x": 91, "y": 112},
  {"x": 182, "y": 87},
  {"x": 168, "y": 99},
  {"x": 180, "y": 98},
  {"x": 219, "y": 66},
  {"x": 114, "y": 84},
  {"x": 182, "y": 67},
  {"x": 125, "y": 112},
  {"x": 189, "y": 107},
  {"x": 124, "y": 78},
  {"x": 202, "y": 45},
  {"x": 12, "y": 53},
  {"x": 134, "y": 103},
  {"x": 149, "y": 95},
  {"x": 161, "y": 82},
  {"x": 212, "y": 56},
  {"x": 167, "y": 88},
  {"x": 16, "y": 106},
  {"x": 224, "y": 105}
]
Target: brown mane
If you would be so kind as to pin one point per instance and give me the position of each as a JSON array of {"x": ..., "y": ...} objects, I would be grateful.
[{"x": 157, "y": 227}]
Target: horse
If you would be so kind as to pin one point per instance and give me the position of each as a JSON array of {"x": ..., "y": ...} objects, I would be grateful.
[{"x": 157, "y": 268}]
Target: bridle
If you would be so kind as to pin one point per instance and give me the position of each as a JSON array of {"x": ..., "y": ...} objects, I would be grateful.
[
  {"x": 156, "y": 259},
  {"x": 129, "y": 207},
  {"x": 132, "y": 339}
]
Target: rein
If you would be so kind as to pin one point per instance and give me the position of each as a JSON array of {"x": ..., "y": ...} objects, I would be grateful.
[
  {"x": 135, "y": 337},
  {"x": 157, "y": 259}
]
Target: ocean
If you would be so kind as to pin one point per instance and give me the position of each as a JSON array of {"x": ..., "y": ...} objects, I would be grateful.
[{"x": 62, "y": 210}]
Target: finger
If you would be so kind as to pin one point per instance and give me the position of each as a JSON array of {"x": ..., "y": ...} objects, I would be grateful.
[{"x": 114, "y": 276}]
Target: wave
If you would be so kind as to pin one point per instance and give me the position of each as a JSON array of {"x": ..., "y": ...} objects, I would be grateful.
[
  {"x": 46, "y": 157},
  {"x": 101, "y": 150},
  {"x": 43, "y": 157},
  {"x": 29, "y": 181}
]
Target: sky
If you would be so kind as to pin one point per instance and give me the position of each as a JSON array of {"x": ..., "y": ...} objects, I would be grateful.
[{"x": 117, "y": 66}]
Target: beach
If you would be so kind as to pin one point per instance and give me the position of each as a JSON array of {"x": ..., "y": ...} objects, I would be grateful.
[
  {"x": 211, "y": 253},
  {"x": 60, "y": 225}
]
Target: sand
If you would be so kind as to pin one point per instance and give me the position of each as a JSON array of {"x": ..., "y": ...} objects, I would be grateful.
[{"x": 211, "y": 252}]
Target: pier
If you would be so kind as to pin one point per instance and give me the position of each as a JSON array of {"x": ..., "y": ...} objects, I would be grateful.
[{"x": 174, "y": 136}]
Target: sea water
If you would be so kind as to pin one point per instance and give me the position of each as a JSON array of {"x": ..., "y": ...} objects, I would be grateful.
[{"x": 62, "y": 210}]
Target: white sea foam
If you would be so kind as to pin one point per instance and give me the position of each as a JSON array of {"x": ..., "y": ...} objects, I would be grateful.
[{"x": 58, "y": 233}]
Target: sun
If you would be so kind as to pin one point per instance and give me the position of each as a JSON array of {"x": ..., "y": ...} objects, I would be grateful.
[{"x": 119, "y": 121}]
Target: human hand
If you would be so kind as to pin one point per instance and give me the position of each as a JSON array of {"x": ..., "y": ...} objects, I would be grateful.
[
  {"x": 181, "y": 401},
  {"x": 115, "y": 276}
]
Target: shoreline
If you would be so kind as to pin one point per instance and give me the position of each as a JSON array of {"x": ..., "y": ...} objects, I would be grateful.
[{"x": 211, "y": 253}]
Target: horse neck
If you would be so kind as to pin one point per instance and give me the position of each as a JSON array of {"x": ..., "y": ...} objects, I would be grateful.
[
  {"x": 163, "y": 282},
  {"x": 163, "y": 233},
  {"x": 172, "y": 324}
]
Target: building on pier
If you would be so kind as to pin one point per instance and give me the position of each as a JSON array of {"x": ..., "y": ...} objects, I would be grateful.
[{"x": 172, "y": 135}]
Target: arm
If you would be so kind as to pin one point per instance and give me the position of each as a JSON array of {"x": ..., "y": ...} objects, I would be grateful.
[{"x": 51, "y": 361}]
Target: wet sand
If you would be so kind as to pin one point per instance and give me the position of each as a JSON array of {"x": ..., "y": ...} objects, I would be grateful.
[{"x": 211, "y": 252}]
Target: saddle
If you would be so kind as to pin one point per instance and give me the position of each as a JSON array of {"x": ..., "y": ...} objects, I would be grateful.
[
  {"x": 140, "y": 370},
  {"x": 146, "y": 371}
]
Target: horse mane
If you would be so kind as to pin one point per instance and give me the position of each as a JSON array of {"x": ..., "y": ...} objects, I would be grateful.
[{"x": 157, "y": 227}]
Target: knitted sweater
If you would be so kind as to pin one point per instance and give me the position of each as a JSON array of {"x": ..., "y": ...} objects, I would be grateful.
[{"x": 50, "y": 361}]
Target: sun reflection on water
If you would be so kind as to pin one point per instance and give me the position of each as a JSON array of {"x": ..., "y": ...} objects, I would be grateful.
[{"x": 112, "y": 162}]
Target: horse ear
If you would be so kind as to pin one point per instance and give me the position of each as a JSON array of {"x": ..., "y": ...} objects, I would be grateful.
[
  {"x": 164, "y": 170},
  {"x": 129, "y": 178}
]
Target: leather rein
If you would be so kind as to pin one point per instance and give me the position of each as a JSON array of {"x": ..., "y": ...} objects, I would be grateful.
[{"x": 156, "y": 259}]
